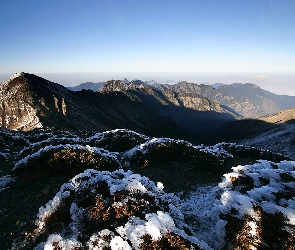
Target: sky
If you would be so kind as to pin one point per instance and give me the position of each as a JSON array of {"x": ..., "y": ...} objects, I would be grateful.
[{"x": 246, "y": 39}]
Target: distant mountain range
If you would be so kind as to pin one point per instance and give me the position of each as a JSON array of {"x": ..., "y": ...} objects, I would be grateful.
[
  {"x": 95, "y": 86},
  {"x": 180, "y": 110},
  {"x": 247, "y": 99}
]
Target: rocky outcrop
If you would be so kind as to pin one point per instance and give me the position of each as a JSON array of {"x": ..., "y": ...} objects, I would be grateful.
[
  {"x": 247, "y": 99},
  {"x": 17, "y": 105}
]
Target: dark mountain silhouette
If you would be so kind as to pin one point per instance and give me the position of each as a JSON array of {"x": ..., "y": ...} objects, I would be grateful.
[
  {"x": 191, "y": 111},
  {"x": 246, "y": 99},
  {"x": 28, "y": 101}
]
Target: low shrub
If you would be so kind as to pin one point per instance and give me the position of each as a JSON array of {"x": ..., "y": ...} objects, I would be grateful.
[
  {"x": 118, "y": 140},
  {"x": 66, "y": 159},
  {"x": 165, "y": 151},
  {"x": 256, "y": 206},
  {"x": 254, "y": 153},
  {"x": 111, "y": 210},
  {"x": 35, "y": 147}
]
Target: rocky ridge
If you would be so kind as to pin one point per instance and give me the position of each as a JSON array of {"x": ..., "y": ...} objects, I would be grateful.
[
  {"x": 191, "y": 111},
  {"x": 28, "y": 101},
  {"x": 247, "y": 99}
]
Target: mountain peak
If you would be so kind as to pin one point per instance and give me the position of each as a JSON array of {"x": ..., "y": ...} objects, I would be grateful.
[
  {"x": 8, "y": 80},
  {"x": 118, "y": 85},
  {"x": 125, "y": 80},
  {"x": 17, "y": 74},
  {"x": 114, "y": 85},
  {"x": 26, "y": 99}
]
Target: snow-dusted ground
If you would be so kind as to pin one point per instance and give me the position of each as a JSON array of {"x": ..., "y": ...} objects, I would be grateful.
[
  {"x": 4, "y": 181},
  {"x": 269, "y": 189},
  {"x": 197, "y": 209},
  {"x": 155, "y": 224},
  {"x": 247, "y": 192},
  {"x": 278, "y": 140}
]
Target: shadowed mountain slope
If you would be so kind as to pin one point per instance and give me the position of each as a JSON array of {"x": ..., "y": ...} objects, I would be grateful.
[
  {"x": 191, "y": 111},
  {"x": 28, "y": 101},
  {"x": 278, "y": 135},
  {"x": 254, "y": 127}
]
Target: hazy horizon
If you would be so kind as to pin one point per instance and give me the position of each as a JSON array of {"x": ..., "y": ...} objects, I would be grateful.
[
  {"x": 277, "y": 83},
  {"x": 215, "y": 37},
  {"x": 147, "y": 36}
]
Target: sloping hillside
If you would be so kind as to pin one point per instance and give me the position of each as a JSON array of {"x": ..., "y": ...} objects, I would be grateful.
[
  {"x": 285, "y": 116},
  {"x": 278, "y": 135},
  {"x": 62, "y": 190},
  {"x": 275, "y": 132}
]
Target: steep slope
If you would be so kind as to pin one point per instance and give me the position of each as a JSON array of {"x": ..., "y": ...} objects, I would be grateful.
[
  {"x": 28, "y": 101},
  {"x": 191, "y": 111},
  {"x": 246, "y": 99}
]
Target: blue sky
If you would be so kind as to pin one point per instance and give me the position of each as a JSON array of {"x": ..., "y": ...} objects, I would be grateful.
[{"x": 71, "y": 36}]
